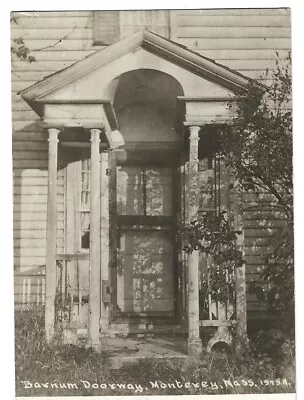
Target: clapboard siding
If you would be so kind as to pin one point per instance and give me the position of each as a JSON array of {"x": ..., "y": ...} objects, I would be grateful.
[
  {"x": 239, "y": 32},
  {"x": 212, "y": 44},
  {"x": 55, "y": 34},
  {"x": 30, "y": 189},
  {"x": 224, "y": 21},
  {"x": 45, "y": 21},
  {"x": 66, "y": 44},
  {"x": 261, "y": 224},
  {"x": 245, "y": 40},
  {"x": 225, "y": 12}
]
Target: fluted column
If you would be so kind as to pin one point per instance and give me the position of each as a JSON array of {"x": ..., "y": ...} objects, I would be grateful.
[
  {"x": 50, "y": 285},
  {"x": 94, "y": 296},
  {"x": 194, "y": 341}
]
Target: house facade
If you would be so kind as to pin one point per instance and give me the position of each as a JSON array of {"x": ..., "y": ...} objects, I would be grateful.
[{"x": 114, "y": 144}]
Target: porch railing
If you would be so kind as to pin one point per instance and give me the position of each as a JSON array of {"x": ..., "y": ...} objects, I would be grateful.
[
  {"x": 217, "y": 293},
  {"x": 72, "y": 292},
  {"x": 29, "y": 288}
]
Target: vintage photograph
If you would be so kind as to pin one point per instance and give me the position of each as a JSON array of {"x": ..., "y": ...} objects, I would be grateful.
[{"x": 153, "y": 202}]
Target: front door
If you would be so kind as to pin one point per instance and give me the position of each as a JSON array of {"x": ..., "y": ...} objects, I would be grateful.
[{"x": 145, "y": 274}]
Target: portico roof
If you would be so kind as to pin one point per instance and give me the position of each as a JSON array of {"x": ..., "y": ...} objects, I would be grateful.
[{"x": 166, "y": 49}]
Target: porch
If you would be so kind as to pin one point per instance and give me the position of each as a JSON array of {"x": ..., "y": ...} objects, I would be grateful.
[{"x": 132, "y": 160}]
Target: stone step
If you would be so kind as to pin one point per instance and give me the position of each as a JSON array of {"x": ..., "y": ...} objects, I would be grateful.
[{"x": 126, "y": 329}]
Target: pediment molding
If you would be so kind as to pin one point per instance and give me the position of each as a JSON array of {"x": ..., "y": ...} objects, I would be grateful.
[{"x": 170, "y": 51}]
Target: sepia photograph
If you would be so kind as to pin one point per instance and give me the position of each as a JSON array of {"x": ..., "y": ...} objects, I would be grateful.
[{"x": 153, "y": 208}]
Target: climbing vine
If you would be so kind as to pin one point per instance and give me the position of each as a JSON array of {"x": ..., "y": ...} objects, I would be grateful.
[{"x": 212, "y": 235}]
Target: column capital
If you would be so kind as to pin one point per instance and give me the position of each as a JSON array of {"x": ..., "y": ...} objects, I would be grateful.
[
  {"x": 95, "y": 132},
  {"x": 53, "y": 134},
  {"x": 194, "y": 132}
]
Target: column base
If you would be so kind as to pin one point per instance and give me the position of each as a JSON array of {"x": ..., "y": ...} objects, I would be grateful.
[
  {"x": 96, "y": 345},
  {"x": 242, "y": 344},
  {"x": 222, "y": 335},
  {"x": 195, "y": 347}
]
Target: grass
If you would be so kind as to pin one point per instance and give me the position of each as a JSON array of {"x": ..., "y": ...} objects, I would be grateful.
[{"x": 61, "y": 370}]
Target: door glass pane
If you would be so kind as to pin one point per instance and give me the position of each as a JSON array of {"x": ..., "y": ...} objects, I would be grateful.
[
  {"x": 130, "y": 191},
  {"x": 145, "y": 272},
  {"x": 158, "y": 191}
]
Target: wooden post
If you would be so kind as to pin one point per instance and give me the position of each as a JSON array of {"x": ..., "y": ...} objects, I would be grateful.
[
  {"x": 50, "y": 284},
  {"x": 104, "y": 240},
  {"x": 240, "y": 273},
  {"x": 94, "y": 295},
  {"x": 194, "y": 341}
]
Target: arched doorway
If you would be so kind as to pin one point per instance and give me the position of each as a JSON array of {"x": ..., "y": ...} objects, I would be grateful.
[{"x": 146, "y": 187}]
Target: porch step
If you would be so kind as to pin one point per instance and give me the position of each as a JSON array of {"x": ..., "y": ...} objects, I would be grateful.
[
  {"x": 126, "y": 351},
  {"x": 125, "y": 329}
]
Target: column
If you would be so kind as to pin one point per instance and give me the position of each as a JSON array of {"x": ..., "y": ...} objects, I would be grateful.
[
  {"x": 50, "y": 273},
  {"x": 94, "y": 295},
  {"x": 194, "y": 341},
  {"x": 240, "y": 273},
  {"x": 104, "y": 242}
]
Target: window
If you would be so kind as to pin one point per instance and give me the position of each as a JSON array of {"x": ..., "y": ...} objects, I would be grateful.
[
  {"x": 84, "y": 205},
  {"x": 110, "y": 26}
]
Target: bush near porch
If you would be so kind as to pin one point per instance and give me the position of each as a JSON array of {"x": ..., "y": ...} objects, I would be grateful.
[{"x": 38, "y": 362}]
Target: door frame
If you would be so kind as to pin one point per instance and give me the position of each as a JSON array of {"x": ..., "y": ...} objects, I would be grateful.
[{"x": 143, "y": 158}]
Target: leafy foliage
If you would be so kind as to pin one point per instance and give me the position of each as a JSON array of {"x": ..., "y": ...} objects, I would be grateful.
[
  {"x": 212, "y": 235},
  {"x": 258, "y": 146},
  {"x": 36, "y": 361},
  {"x": 18, "y": 47}
]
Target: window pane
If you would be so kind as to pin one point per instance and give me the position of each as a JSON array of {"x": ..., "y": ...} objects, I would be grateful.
[
  {"x": 85, "y": 229},
  {"x": 159, "y": 191},
  {"x": 130, "y": 191},
  {"x": 84, "y": 206}
]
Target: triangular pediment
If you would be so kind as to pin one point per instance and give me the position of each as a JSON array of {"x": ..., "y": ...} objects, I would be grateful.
[{"x": 199, "y": 76}]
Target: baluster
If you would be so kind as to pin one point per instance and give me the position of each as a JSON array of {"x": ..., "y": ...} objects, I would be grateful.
[
  {"x": 65, "y": 281},
  {"x": 79, "y": 290},
  {"x": 28, "y": 291},
  {"x": 209, "y": 286},
  {"x": 43, "y": 291},
  {"x": 227, "y": 292},
  {"x": 38, "y": 290},
  {"x": 23, "y": 291},
  {"x": 217, "y": 302}
]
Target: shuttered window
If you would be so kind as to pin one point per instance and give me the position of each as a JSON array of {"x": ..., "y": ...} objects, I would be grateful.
[{"x": 110, "y": 26}]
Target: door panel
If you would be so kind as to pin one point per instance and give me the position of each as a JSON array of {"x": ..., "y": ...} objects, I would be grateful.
[{"x": 145, "y": 272}]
